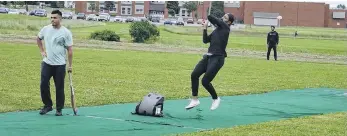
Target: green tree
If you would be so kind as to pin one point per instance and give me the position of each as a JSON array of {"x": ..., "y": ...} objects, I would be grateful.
[
  {"x": 53, "y": 4},
  {"x": 190, "y": 6},
  {"x": 92, "y": 6},
  {"x": 217, "y": 9},
  {"x": 109, "y": 5},
  {"x": 143, "y": 31},
  {"x": 341, "y": 6},
  {"x": 4, "y": 3},
  {"x": 171, "y": 12},
  {"x": 172, "y": 5}
]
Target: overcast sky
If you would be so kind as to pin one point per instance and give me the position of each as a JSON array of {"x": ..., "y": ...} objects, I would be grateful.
[
  {"x": 335, "y": 3},
  {"x": 332, "y": 3}
]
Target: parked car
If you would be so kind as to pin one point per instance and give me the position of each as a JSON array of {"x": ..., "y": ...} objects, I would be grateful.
[
  {"x": 167, "y": 22},
  {"x": 142, "y": 19},
  {"x": 190, "y": 21},
  {"x": 118, "y": 19},
  {"x": 81, "y": 16},
  {"x": 13, "y": 11},
  {"x": 180, "y": 23},
  {"x": 104, "y": 17},
  {"x": 4, "y": 10},
  {"x": 129, "y": 19},
  {"x": 23, "y": 11},
  {"x": 155, "y": 20},
  {"x": 92, "y": 17},
  {"x": 67, "y": 15},
  {"x": 32, "y": 13},
  {"x": 41, "y": 13},
  {"x": 200, "y": 21}
]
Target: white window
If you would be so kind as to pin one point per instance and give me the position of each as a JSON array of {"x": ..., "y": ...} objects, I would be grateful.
[
  {"x": 101, "y": 6},
  {"x": 139, "y": 2},
  {"x": 181, "y": 3},
  {"x": 91, "y": 6},
  {"x": 126, "y": 10},
  {"x": 139, "y": 9},
  {"x": 232, "y": 4},
  {"x": 126, "y": 2},
  {"x": 114, "y": 9},
  {"x": 183, "y": 12}
]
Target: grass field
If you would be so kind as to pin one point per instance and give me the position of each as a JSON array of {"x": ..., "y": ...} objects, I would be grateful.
[
  {"x": 103, "y": 76},
  {"x": 304, "y": 32},
  {"x": 102, "y": 79}
]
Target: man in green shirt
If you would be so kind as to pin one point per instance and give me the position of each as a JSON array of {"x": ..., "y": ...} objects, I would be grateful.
[{"x": 57, "y": 40}]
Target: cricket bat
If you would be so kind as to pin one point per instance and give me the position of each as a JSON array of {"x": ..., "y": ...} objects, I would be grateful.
[{"x": 73, "y": 101}]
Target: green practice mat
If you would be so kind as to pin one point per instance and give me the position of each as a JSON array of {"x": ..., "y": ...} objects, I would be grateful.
[{"x": 118, "y": 121}]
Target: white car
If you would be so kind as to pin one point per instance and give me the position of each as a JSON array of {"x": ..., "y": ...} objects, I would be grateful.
[
  {"x": 104, "y": 17},
  {"x": 13, "y": 11},
  {"x": 23, "y": 11},
  {"x": 67, "y": 15},
  {"x": 92, "y": 17},
  {"x": 118, "y": 19}
]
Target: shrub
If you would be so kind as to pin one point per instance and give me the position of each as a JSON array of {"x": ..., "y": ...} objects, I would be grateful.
[
  {"x": 105, "y": 35},
  {"x": 143, "y": 31}
]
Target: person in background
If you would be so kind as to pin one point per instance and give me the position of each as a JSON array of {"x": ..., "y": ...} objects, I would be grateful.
[{"x": 272, "y": 42}]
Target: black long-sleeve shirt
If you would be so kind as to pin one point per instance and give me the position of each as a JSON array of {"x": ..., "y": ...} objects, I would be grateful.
[
  {"x": 218, "y": 39},
  {"x": 272, "y": 38}
]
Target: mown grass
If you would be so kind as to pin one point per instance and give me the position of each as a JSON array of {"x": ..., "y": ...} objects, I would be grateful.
[
  {"x": 105, "y": 76},
  {"x": 33, "y": 23},
  {"x": 259, "y": 43},
  {"x": 318, "y": 125},
  {"x": 13, "y": 24},
  {"x": 304, "y": 32},
  {"x": 168, "y": 39},
  {"x": 111, "y": 76}
]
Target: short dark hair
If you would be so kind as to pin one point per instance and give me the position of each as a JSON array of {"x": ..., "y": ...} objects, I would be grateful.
[
  {"x": 231, "y": 17},
  {"x": 56, "y": 12},
  {"x": 273, "y": 26}
]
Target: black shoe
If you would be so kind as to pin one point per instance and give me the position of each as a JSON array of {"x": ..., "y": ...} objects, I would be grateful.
[
  {"x": 58, "y": 113},
  {"x": 45, "y": 110}
]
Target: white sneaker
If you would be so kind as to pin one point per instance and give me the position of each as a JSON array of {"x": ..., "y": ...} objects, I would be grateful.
[
  {"x": 193, "y": 103},
  {"x": 215, "y": 104}
]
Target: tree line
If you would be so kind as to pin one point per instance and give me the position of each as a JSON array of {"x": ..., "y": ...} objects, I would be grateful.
[{"x": 192, "y": 6}]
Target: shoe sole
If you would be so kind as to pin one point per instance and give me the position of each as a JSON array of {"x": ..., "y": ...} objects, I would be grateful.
[
  {"x": 45, "y": 113},
  {"x": 191, "y": 107}
]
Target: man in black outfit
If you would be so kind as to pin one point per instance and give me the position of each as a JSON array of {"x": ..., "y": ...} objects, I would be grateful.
[
  {"x": 212, "y": 61},
  {"x": 272, "y": 42}
]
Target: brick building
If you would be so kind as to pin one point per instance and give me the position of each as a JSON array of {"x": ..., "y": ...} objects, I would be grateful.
[
  {"x": 293, "y": 13},
  {"x": 123, "y": 8},
  {"x": 249, "y": 12}
]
